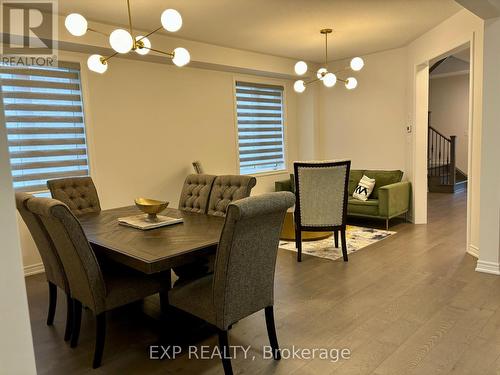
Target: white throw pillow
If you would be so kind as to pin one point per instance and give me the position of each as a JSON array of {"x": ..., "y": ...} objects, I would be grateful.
[{"x": 364, "y": 188}]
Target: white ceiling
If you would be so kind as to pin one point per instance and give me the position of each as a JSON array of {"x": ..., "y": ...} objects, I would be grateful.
[{"x": 288, "y": 28}]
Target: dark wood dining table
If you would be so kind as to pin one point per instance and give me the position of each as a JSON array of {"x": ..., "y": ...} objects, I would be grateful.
[{"x": 154, "y": 250}]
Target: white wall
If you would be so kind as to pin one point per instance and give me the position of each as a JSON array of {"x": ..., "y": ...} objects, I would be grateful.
[
  {"x": 449, "y": 104},
  {"x": 367, "y": 125},
  {"x": 16, "y": 346},
  {"x": 147, "y": 122},
  {"x": 489, "y": 255}
]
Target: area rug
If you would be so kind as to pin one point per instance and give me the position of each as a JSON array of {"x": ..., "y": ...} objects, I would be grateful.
[{"x": 357, "y": 238}]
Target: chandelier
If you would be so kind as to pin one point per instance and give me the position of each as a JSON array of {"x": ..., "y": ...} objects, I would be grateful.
[
  {"x": 329, "y": 78},
  {"x": 123, "y": 41}
]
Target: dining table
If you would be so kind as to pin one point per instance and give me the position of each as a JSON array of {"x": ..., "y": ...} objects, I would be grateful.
[{"x": 154, "y": 250}]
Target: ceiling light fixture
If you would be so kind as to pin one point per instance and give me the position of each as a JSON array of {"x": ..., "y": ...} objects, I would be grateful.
[
  {"x": 124, "y": 41},
  {"x": 329, "y": 79}
]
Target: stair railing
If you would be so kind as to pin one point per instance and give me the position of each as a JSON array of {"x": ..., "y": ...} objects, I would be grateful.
[{"x": 441, "y": 157}]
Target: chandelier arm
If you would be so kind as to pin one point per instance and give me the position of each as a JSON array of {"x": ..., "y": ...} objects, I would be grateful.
[
  {"x": 150, "y": 33},
  {"x": 312, "y": 81},
  {"x": 109, "y": 57},
  {"x": 97, "y": 31},
  {"x": 169, "y": 54}
]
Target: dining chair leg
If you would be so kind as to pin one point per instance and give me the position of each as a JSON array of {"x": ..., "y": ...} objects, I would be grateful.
[
  {"x": 69, "y": 317},
  {"x": 336, "y": 237},
  {"x": 344, "y": 245},
  {"x": 52, "y": 303},
  {"x": 100, "y": 335},
  {"x": 77, "y": 321},
  {"x": 271, "y": 332},
  {"x": 298, "y": 244},
  {"x": 224, "y": 349}
]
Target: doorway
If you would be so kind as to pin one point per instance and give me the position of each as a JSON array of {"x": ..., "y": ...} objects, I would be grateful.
[{"x": 448, "y": 123}]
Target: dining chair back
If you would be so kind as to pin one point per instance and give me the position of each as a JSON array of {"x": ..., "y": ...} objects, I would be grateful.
[
  {"x": 243, "y": 280},
  {"x": 227, "y": 189},
  {"x": 321, "y": 199},
  {"x": 89, "y": 286},
  {"x": 246, "y": 256},
  {"x": 79, "y": 261},
  {"x": 78, "y": 193},
  {"x": 54, "y": 271},
  {"x": 196, "y": 192}
]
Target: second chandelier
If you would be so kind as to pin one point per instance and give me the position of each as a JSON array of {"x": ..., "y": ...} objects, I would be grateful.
[{"x": 329, "y": 79}]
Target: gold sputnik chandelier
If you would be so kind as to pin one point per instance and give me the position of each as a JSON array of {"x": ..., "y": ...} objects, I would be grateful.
[
  {"x": 123, "y": 41},
  {"x": 329, "y": 79}
]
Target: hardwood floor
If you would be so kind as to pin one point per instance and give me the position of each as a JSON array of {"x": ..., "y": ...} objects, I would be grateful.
[{"x": 411, "y": 304}]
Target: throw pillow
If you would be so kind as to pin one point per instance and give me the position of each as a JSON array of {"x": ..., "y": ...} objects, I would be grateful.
[{"x": 364, "y": 188}]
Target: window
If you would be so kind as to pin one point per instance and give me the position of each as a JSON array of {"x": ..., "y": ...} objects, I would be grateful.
[
  {"x": 260, "y": 127},
  {"x": 45, "y": 125}
]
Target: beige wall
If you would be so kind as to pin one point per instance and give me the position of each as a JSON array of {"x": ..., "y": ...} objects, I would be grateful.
[
  {"x": 16, "y": 347},
  {"x": 449, "y": 104},
  {"x": 489, "y": 255},
  {"x": 147, "y": 122},
  {"x": 460, "y": 29},
  {"x": 367, "y": 125}
]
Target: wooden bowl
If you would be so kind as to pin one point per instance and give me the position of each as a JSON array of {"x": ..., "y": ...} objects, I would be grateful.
[{"x": 151, "y": 207}]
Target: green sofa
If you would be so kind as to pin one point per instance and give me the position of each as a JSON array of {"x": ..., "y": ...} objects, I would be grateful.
[{"x": 390, "y": 197}]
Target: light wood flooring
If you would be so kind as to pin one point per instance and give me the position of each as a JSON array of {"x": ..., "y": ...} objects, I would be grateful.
[{"x": 410, "y": 304}]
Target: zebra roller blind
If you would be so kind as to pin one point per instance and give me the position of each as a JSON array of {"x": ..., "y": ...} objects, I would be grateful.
[
  {"x": 45, "y": 125},
  {"x": 260, "y": 127}
]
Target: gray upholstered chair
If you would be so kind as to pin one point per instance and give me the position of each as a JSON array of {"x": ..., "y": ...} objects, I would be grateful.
[
  {"x": 227, "y": 189},
  {"x": 196, "y": 192},
  {"x": 321, "y": 195},
  {"x": 99, "y": 290},
  {"x": 243, "y": 281},
  {"x": 54, "y": 271},
  {"x": 78, "y": 193}
]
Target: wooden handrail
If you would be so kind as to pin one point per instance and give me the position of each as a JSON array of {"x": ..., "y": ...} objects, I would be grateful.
[{"x": 441, "y": 134}]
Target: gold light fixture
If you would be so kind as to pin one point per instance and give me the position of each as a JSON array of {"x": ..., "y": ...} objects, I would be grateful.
[
  {"x": 329, "y": 79},
  {"x": 123, "y": 41}
]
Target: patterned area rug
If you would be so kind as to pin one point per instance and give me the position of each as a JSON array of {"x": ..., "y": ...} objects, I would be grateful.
[{"x": 357, "y": 238}]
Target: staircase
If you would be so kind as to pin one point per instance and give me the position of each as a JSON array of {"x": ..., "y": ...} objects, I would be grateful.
[{"x": 442, "y": 173}]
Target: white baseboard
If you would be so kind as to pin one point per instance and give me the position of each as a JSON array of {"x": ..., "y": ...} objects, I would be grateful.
[
  {"x": 33, "y": 269},
  {"x": 474, "y": 251},
  {"x": 488, "y": 267}
]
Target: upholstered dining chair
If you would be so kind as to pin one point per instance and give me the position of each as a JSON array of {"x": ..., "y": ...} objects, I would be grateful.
[
  {"x": 227, "y": 189},
  {"x": 243, "y": 281},
  {"x": 54, "y": 271},
  {"x": 321, "y": 200},
  {"x": 100, "y": 290},
  {"x": 78, "y": 193},
  {"x": 196, "y": 192}
]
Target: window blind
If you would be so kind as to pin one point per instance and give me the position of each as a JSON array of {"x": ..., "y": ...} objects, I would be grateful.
[
  {"x": 260, "y": 127},
  {"x": 45, "y": 125}
]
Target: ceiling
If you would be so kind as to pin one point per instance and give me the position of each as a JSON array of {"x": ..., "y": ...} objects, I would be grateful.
[{"x": 288, "y": 28}]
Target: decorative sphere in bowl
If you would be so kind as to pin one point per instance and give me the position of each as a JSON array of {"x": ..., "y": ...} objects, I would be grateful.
[{"x": 151, "y": 207}]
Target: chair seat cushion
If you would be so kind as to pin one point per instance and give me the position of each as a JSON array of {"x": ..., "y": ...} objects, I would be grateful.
[
  {"x": 368, "y": 207},
  {"x": 125, "y": 285},
  {"x": 195, "y": 297}
]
